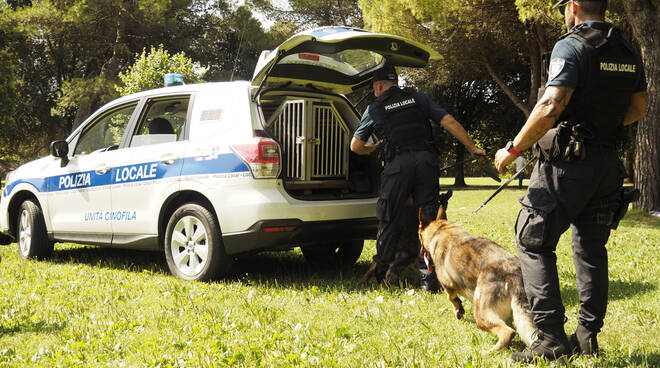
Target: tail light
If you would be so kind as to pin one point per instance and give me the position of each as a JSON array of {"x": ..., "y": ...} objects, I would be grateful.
[{"x": 262, "y": 156}]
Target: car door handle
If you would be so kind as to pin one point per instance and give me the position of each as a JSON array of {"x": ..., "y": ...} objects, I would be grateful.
[
  {"x": 169, "y": 159},
  {"x": 102, "y": 170}
]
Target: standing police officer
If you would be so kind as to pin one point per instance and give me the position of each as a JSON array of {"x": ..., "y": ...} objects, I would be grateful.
[
  {"x": 400, "y": 117},
  {"x": 596, "y": 84}
]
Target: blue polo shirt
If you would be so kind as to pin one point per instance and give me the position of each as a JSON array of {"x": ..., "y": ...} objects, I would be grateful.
[
  {"x": 372, "y": 121},
  {"x": 566, "y": 61}
]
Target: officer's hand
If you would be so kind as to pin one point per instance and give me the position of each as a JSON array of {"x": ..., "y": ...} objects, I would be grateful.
[
  {"x": 371, "y": 147},
  {"x": 476, "y": 151},
  {"x": 502, "y": 159},
  {"x": 479, "y": 154}
]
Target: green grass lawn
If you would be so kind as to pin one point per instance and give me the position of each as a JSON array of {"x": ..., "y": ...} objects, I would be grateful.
[{"x": 89, "y": 306}]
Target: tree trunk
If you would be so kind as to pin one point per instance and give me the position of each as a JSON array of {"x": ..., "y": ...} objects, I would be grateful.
[
  {"x": 534, "y": 65},
  {"x": 645, "y": 21},
  {"x": 459, "y": 173},
  {"x": 507, "y": 91}
]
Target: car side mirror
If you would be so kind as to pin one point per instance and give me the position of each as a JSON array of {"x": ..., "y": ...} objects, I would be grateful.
[{"x": 60, "y": 149}]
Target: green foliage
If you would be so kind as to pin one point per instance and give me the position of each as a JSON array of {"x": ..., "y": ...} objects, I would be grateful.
[
  {"x": 484, "y": 112},
  {"x": 77, "y": 91},
  {"x": 469, "y": 35},
  {"x": 90, "y": 306},
  {"x": 306, "y": 14},
  {"x": 149, "y": 70},
  {"x": 237, "y": 41},
  {"x": 59, "y": 60},
  {"x": 533, "y": 9},
  {"x": 25, "y": 120}
]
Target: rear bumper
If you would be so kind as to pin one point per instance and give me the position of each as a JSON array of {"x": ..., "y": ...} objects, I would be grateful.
[{"x": 273, "y": 234}]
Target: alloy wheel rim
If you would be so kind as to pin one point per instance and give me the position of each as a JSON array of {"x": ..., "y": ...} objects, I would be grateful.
[
  {"x": 24, "y": 233},
  {"x": 189, "y": 245}
]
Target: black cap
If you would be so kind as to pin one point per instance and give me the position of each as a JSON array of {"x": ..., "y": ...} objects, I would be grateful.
[
  {"x": 562, "y": 2},
  {"x": 386, "y": 72}
]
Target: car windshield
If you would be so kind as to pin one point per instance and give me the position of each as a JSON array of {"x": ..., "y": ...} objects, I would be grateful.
[{"x": 347, "y": 62}]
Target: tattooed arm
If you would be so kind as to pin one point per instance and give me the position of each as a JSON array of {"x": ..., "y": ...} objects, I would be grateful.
[{"x": 543, "y": 117}]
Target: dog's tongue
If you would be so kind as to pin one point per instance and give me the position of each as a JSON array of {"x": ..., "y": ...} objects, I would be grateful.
[{"x": 427, "y": 260}]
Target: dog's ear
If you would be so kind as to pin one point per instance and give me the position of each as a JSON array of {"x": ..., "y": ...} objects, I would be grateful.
[
  {"x": 442, "y": 214},
  {"x": 443, "y": 200},
  {"x": 423, "y": 220}
]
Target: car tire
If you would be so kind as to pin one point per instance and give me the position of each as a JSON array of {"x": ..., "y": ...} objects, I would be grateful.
[
  {"x": 31, "y": 235},
  {"x": 193, "y": 244},
  {"x": 343, "y": 253}
]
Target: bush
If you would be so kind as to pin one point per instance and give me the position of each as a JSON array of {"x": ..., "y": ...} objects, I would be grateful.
[{"x": 149, "y": 70}]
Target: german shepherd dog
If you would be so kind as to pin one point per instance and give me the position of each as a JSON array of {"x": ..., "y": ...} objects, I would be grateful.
[{"x": 479, "y": 270}]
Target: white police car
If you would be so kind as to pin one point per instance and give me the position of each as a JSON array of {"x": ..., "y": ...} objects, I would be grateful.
[{"x": 209, "y": 171}]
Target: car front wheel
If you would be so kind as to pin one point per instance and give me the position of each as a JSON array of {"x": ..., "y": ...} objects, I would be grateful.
[
  {"x": 31, "y": 234},
  {"x": 193, "y": 244},
  {"x": 343, "y": 253}
]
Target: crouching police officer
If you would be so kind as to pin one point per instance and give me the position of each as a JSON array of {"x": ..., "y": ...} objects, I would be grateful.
[
  {"x": 401, "y": 117},
  {"x": 596, "y": 84}
]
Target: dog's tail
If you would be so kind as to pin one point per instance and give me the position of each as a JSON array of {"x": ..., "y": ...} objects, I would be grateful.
[{"x": 522, "y": 314}]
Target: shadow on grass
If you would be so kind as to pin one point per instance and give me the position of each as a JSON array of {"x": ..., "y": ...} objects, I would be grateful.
[
  {"x": 617, "y": 290},
  {"x": 29, "y": 326},
  {"x": 285, "y": 269},
  {"x": 290, "y": 270},
  {"x": 113, "y": 258}
]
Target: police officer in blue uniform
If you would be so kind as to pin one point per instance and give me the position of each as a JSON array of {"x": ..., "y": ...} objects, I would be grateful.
[
  {"x": 400, "y": 118},
  {"x": 596, "y": 85}
]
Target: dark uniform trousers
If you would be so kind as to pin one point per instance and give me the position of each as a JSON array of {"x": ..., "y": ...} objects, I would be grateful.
[
  {"x": 409, "y": 173},
  {"x": 581, "y": 194}
]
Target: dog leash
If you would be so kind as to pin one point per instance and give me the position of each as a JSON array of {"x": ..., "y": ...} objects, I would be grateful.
[{"x": 500, "y": 189}]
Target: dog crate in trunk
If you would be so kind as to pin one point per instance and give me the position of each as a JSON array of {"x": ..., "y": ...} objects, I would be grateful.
[{"x": 315, "y": 143}]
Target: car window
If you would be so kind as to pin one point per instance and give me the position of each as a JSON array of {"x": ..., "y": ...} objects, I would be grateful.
[
  {"x": 348, "y": 62},
  {"x": 163, "y": 121},
  {"x": 105, "y": 133}
]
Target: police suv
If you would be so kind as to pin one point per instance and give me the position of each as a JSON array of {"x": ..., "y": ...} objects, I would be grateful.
[{"x": 210, "y": 171}]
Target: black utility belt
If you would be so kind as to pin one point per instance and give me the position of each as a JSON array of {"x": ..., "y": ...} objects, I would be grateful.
[
  {"x": 411, "y": 149},
  {"x": 569, "y": 142}
]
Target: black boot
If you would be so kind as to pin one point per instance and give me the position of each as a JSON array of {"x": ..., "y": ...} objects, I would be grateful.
[
  {"x": 381, "y": 272},
  {"x": 551, "y": 343},
  {"x": 429, "y": 283},
  {"x": 584, "y": 341}
]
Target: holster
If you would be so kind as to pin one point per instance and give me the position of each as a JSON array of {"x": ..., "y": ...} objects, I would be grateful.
[
  {"x": 628, "y": 195},
  {"x": 386, "y": 152}
]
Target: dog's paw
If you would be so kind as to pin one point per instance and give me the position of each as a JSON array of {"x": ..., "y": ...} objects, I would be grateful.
[{"x": 459, "y": 313}]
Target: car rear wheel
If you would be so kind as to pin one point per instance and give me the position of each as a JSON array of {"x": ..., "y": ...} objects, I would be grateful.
[
  {"x": 343, "y": 253},
  {"x": 31, "y": 234},
  {"x": 193, "y": 244}
]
